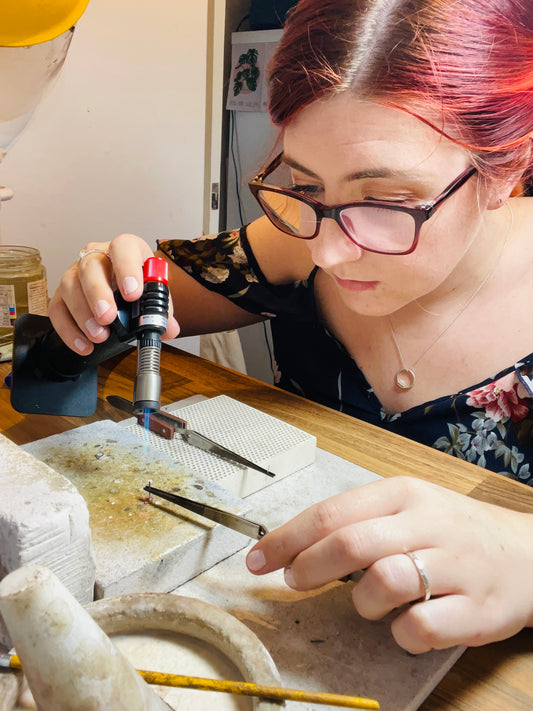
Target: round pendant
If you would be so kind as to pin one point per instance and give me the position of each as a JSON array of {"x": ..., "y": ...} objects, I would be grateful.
[{"x": 405, "y": 378}]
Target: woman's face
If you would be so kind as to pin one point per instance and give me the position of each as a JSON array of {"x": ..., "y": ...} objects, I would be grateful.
[{"x": 347, "y": 150}]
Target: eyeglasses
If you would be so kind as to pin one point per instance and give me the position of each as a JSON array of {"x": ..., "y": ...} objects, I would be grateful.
[{"x": 376, "y": 226}]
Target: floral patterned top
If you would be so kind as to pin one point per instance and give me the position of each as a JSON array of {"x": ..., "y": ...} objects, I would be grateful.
[{"x": 489, "y": 424}]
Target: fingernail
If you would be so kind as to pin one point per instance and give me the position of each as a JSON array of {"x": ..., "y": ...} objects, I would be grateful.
[
  {"x": 289, "y": 578},
  {"x": 81, "y": 345},
  {"x": 94, "y": 327},
  {"x": 255, "y": 560},
  {"x": 101, "y": 307},
  {"x": 130, "y": 284}
]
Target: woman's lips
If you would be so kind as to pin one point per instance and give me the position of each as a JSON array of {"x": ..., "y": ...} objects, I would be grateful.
[{"x": 354, "y": 285}]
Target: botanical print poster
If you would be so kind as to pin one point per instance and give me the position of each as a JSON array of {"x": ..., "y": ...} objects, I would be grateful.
[{"x": 247, "y": 87}]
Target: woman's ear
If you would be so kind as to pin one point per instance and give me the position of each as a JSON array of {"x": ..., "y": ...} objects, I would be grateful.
[
  {"x": 500, "y": 191},
  {"x": 497, "y": 198}
]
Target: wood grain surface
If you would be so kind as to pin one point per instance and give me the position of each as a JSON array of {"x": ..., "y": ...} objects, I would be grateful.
[{"x": 490, "y": 678}]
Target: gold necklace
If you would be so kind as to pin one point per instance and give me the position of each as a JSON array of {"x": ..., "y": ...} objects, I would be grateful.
[{"x": 405, "y": 377}]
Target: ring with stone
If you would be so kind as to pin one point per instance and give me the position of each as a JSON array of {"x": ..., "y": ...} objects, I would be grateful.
[
  {"x": 84, "y": 252},
  {"x": 422, "y": 574}
]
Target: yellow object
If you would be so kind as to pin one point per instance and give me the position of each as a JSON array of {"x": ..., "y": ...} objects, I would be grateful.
[
  {"x": 241, "y": 688},
  {"x": 244, "y": 688},
  {"x": 28, "y": 22}
]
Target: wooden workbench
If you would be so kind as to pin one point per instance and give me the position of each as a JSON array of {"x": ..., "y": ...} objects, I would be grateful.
[{"x": 494, "y": 677}]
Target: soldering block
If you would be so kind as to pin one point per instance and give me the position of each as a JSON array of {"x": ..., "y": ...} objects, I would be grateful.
[
  {"x": 140, "y": 545},
  {"x": 43, "y": 519},
  {"x": 265, "y": 440}
]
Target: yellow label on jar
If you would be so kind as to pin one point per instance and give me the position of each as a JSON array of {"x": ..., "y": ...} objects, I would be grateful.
[{"x": 38, "y": 297}]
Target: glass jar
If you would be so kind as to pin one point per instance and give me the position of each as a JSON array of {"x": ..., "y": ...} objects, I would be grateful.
[{"x": 23, "y": 287}]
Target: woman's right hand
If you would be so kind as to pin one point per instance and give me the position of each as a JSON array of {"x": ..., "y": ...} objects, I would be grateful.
[
  {"x": 476, "y": 558},
  {"x": 83, "y": 305}
]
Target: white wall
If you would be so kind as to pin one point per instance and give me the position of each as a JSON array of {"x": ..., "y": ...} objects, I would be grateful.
[{"x": 118, "y": 144}]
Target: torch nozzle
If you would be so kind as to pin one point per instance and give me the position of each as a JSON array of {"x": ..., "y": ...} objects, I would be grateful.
[{"x": 147, "y": 391}]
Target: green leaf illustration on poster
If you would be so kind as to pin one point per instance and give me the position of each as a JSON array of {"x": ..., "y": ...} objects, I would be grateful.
[{"x": 246, "y": 72}]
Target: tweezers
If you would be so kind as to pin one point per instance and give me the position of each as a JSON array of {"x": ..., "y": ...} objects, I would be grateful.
[
  {"x": 230, "y": 520},
  {"x": 225, "y": 518},
  {"x": 208, "y": 445},
  {"x": 166, "y": 425}
]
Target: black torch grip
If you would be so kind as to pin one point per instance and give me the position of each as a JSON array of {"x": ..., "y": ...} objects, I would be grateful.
[{"x": 49, "y": 378}]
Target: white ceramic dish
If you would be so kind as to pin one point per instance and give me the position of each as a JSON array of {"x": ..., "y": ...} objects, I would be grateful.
[{"x": 182, "y": 635}]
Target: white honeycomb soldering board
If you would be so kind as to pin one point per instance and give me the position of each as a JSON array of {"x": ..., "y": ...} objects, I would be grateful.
[{"x": 275, "y": 445}]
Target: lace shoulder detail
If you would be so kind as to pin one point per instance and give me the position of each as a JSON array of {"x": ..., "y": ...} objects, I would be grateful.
[
  {"x": 221, "y": 263},
  {"x": 227, "y": 265}
]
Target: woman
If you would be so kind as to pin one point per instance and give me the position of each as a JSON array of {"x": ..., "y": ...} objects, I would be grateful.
[{"x": 406, "y": 128}]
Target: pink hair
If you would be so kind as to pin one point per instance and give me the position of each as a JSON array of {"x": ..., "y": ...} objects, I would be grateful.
[{"x": 469, "y": 62}]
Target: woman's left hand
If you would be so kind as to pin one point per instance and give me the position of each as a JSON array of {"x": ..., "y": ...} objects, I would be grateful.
[{"x": 478, "y": 559}]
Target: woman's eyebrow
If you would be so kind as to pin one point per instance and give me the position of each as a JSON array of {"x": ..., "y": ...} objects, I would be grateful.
[
  {"x": 382, "y": 173},
  {"x": 358, "y": 174},
  {"x": 298, "y": 166}
]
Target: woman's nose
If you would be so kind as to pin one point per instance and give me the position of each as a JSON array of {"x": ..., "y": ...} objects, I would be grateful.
[{"x": 332, "y": 246}]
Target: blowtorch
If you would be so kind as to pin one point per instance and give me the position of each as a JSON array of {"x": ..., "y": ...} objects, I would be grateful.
[
  {"x": 48, "y": 378},
  {"x": 152, "y": 324}
]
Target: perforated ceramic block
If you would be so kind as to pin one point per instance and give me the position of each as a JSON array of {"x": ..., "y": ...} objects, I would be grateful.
[{"x": 273, "y": 444}]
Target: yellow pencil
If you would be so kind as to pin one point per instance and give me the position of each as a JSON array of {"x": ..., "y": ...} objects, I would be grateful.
[{"x": 241, "y": 688}]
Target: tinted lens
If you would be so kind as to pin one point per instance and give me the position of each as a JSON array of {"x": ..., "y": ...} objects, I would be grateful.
[
  {"x": 379, "y": 228},
  {"x": 288, "y": 214}
]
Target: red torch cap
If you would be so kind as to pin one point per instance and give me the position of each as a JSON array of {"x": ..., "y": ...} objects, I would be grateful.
[{"x": 155, "y": 269}]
